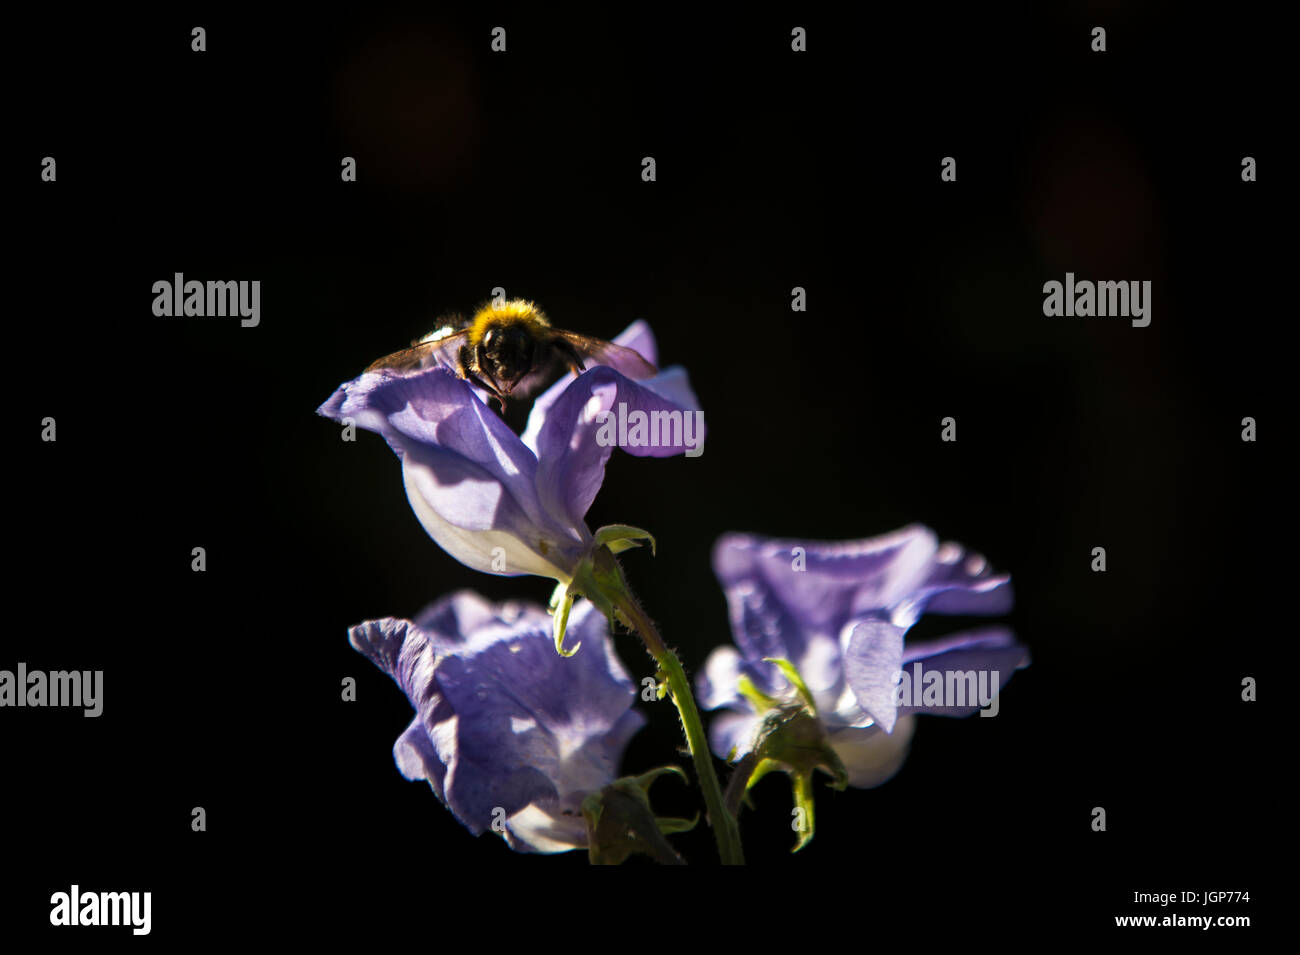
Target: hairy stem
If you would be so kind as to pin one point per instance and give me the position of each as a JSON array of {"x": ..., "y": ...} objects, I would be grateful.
[{"x": 725, "y": 829}]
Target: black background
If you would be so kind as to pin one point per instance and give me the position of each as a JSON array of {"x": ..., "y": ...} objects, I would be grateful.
[{"x": 522, "y": 170}]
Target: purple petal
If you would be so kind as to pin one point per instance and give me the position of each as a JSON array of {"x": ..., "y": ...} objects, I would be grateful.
[
  {"x": 873, "y": 657},
  {"x": 466, "y": 619},
  {"x": 957, "y": 582},
  {"x": 426, "y": 407},
  {"x": 822, "y": 585},
  {"x": 417, "y": 759},
  {"x": 438, "y": 412},
  {"x": 899, "y": 575},
  {"x": 561, "y": 827},
  {"x": 525, "y": 712},
  {"x": 674, "y": 385},
  {"x": 547, "y": 829},
  {"x": 871, "y": 755},
  {"x": 479, "y": 521},
  {"x": 406, "y": 654},
  {"x": 504, "y": 723},
  {"x": 571, "y": 446},
  {"x": 715, "y": 684},
  {"x": 640, "y": 339},
  {"x": 762, "y": 628},
  {"x": 470, "y": 480},
  {"x": 998, "y": 643},
  {"x": 732, "y": 730},
  {"x": 970, "y": 668},
  {"x": 636, "y": 336},
  {"x": 790, "y": 599}
]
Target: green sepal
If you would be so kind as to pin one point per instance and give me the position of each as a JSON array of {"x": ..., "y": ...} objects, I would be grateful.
[
  {"x": 670, "y": 825},
  {"x": 764, "y": 767},
  {"x": 791, "y": 673},
  {"x": 804, "y": 822},
  {"x": 562, "y": 604},
  {"x": 556, "y": 596},
  {"x": 621, "y": 537},
  {"x": 791, "y": 739},
  {"x": 620, "y": 822},
  {"x": 760, "y": 700},
  {"x": 596, "y": 577},
  {"x": 646, "y": 779}
]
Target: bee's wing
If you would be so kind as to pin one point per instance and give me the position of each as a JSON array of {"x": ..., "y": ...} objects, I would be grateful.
[
  {"x": 597, "y": 351},
  {"x": 438, "y": 348}
]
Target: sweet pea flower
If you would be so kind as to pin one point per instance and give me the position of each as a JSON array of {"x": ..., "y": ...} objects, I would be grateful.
[
  {"x": 514, "y": 504},
  {"x": 505, "y": 731},
  {"x": 835, "y": 615}
]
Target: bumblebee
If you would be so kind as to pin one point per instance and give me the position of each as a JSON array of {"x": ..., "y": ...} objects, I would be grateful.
[{"x": 508, "y": 348}]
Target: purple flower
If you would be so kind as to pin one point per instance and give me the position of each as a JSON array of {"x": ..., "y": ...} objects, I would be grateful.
[
  {"x": 515, "y": 504},
  {"x": 510, "y": 736},
  {"x": 839, "y": 614}
]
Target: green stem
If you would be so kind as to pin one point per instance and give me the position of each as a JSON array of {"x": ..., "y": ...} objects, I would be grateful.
[{"x": 725, "y": 828}]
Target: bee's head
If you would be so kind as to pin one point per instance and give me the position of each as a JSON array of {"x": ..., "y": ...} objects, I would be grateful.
[{"x": 506, "y": 352}]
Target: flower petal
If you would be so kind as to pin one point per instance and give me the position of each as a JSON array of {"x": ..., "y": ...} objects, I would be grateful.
[
  {"x": 417, "y": 758},
  {"x": 824, "y": 584},
  {"x": 640, "y": 339},
  {"x": 534, "y": 829},
  {"x": 873, "y": 658},
  {"x": 406, "y": 654},
  {"x": 732, "y": 731},
  {"x": 469, "y": 478},
  {"x": 465, "y": 618},
  {"x": 763, "y": 629},
  {"x": 502, "y": 723},
  {"x": 571, "y": 445},
  {"x": 871, "y": 755},
  {"x": 506, "y": 543},
  {"x": 526, "y": 714},
  {"x": 957, "y": 582},
  {"x": 971, "y": 666},
  {"x": 636, "y": 336},
  {"x": 715, "y": 685}
]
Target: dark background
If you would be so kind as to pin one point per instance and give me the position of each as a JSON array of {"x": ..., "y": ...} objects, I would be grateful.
[{"x": 522, "y": 170}]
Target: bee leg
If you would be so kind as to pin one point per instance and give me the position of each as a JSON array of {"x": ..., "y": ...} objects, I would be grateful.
[
  {"x": 474, "y": 379},
  {"x": 480, "y": 355},
  {"x": 467, "y": 372}
]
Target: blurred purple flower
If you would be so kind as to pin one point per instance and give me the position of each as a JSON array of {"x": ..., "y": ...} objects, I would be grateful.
[
  {"x": 496, "y": 501},
  {"x": 839, "y": 612},
  {"x": 506, "y": 731}
]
